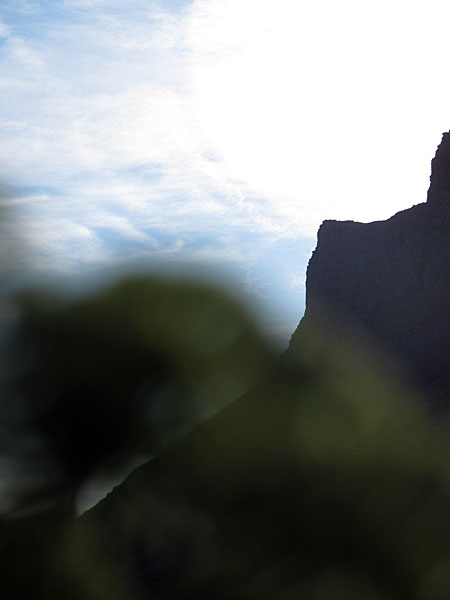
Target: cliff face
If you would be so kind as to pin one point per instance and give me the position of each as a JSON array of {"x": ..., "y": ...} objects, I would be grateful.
[
  {"x": 388, "y": 282},
  {"x": 298, "y": 490}
]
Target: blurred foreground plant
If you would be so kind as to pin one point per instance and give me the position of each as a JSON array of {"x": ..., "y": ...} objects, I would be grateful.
[
  {"x": 323, "y": 482},
  {"x": 95, "y": 380}
]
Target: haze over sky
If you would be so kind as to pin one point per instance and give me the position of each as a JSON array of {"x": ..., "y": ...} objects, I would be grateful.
[{"x": 222, "y": 131}]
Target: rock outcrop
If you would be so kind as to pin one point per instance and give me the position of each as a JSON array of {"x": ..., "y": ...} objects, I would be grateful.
[{"x": 388, "y": 283}]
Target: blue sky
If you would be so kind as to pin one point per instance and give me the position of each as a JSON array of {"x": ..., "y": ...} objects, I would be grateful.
[{"x": 213, "y": 132}]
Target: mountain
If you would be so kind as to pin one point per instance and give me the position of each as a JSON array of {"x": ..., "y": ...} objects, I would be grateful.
[
  {"x": 324, "y": 482},
  {"x": 387, "y": 285}
]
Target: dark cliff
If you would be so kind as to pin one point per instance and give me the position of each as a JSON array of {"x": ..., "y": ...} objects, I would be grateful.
[
  {"x": 388, "y": 283},
  {"x": 322, "y": 482},
  {"x": 319, "y": 470}
]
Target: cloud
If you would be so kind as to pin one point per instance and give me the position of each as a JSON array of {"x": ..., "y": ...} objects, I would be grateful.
[
  {"x": 164, "y": 121},
  {"x": 26, "y": 7},
  {"x": 4, "y": 30},
  {"x": 101, "y": 136},
  {"x": 98, "y": 103}
]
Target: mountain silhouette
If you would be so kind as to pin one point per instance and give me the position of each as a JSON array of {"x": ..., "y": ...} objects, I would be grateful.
[
  {"x": 325, "y": 481},
  {"x": 387, "y": 285}
]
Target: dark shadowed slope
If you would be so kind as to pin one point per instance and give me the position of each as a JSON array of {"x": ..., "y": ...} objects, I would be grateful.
[{"x": 388, "y": 283}]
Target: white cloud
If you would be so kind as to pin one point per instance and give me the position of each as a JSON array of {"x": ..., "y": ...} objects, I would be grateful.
[
  {"x": 298, "y": 106},
  {"x": 323, "y": 109},
  {"x": 24, "y": 55},
  {"x": 4, "y": 30},
  {"x": 218, "y": 118}
]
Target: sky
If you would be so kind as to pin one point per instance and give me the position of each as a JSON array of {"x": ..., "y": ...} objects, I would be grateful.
[{"x": 218, "y": 133}]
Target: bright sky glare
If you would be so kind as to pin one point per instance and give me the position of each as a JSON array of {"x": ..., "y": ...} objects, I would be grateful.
[{"x": 216, "y": 130}]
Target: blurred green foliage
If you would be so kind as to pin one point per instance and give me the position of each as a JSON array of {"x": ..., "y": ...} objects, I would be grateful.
[
  {"x": 316, "y": 478},
  {"x": 121, "y": 372},
  {"x": 322, "y": 483}
]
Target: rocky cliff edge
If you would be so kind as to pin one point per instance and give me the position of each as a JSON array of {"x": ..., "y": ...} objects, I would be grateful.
[{"x": 388, "y": 283}]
